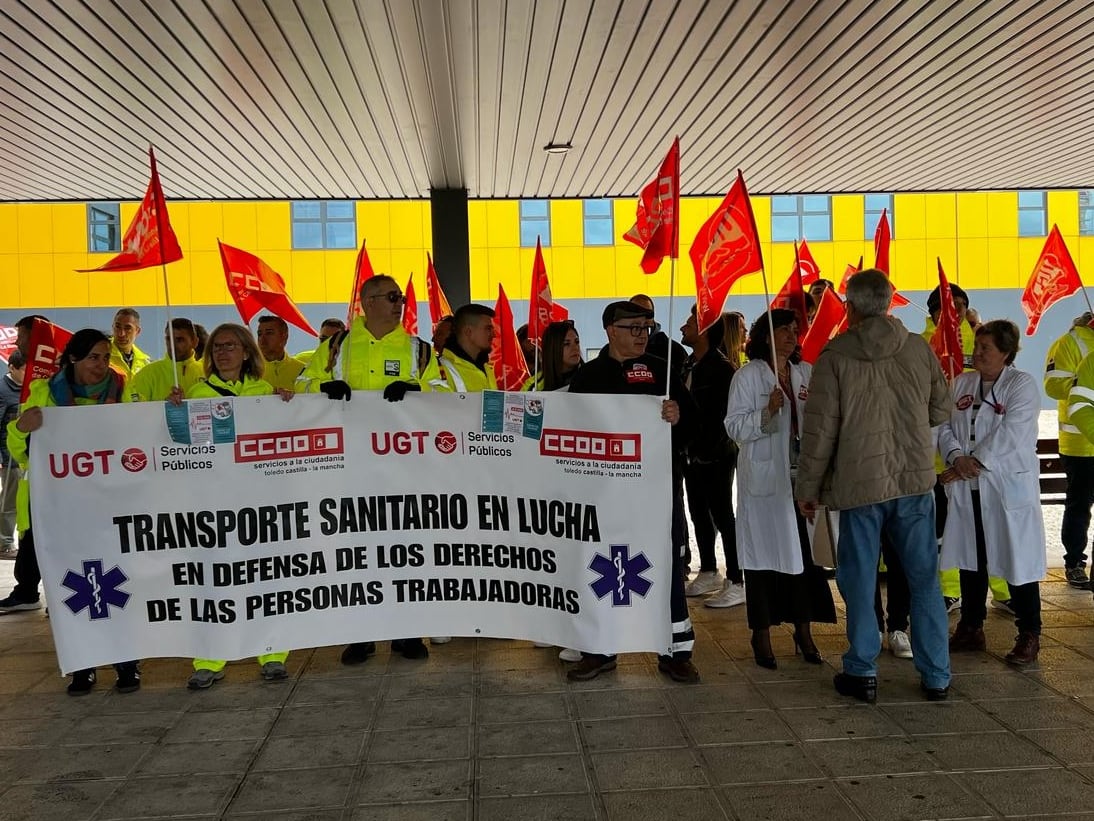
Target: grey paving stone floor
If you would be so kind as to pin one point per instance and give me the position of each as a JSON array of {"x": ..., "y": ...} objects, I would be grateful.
[{"x": 491, "y": 730}]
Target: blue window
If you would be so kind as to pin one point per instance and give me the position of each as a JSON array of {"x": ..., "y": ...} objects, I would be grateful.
[
  {"x": 324, "y": 224},
  {"x": 598, "y": 222},
  {"x": 1086, "y": 212},
  {"x": 535, "y": 221},
  {"x": 103, "y": 228},
  {"x": 1032, "y": 214},
  {"x": 874, "y": 204},
  {"x": 801, "y": 216}
]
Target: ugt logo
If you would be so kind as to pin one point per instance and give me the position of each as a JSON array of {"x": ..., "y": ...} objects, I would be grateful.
[
  {"x": 96, "y": 590},
  {"x": 620, "y": 575}
]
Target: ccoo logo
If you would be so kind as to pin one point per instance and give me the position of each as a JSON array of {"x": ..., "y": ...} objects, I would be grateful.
[
  {"x": 445, "y": 441},
  {"x": 134, "y": 460}
]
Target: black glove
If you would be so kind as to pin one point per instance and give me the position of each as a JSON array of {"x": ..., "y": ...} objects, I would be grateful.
[
  {"x": 396, "y": 391},
  {"x": 336, "y": 389}
]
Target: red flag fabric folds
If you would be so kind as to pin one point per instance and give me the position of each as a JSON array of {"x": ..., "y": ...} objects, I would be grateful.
[
  {"x": 657, "y": 229},
  {"x": 149, "y": 240},
  {"x": 438, "y": 303},
  {"x": 828, "y": 319},
  {"x": 725, "y": 249},
  {"x": 542, "y": 309},
  {"x": 362, "y": 271},
  {"x": 410, "y": 310},
  {"x": 792, "y": 295},
  {"x": 946, "y": 342},
  {"x": 506, "y": 357},
  {"x": 882, "y": 236},
  {"x": 1054, "y": 277},
  {"x": 44, "y": 348},
  {"x": 255, "y": 286},
  {"x": 7, "y": 341}
]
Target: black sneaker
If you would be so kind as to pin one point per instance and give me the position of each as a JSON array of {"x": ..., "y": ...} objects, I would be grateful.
[
  {"x": 410, "y": 648},
  {"x": 358, "y": 652},
  {"x": 11, "y": 604},
  {"x": 82, "y": 682},
  {"x": 129, "y": 680},
  {"x": 864, "y": 688},
  {"x": 935, "y": 693},
  {"x": 1076, "y": 577}
]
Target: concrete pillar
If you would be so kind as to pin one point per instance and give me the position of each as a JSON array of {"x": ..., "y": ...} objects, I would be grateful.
[{"x": 451, "y": 243}]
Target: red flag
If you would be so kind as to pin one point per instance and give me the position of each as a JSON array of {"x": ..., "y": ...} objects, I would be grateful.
[
  {"x": 410, "y": 310},
  {"x": 882, "y": 236},
  {"x": 7, "y": 341},
  {"x": 362, "y": 271},
  {"x": 255, "y": 286},
  {"x": 149, "y": 240},
  {"x": 830, "y": 315},
  {"x": 946, "y": 341},
  {"x": 848, "y": 272},
  {"x": 506, "y": 357},
  {"x": 657, "y": 228},
  {"x": 792, "y": 295},
  {"x": 438, "y": 303},
  {"x": 542, "y": 309},
  {"x": 1054, "y": 277},
  {"x": 43, "y": 350},
  {"x": 725, "y": 249}
]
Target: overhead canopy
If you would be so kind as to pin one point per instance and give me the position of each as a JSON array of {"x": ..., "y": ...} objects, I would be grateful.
[{"x": 335, "y": 99}]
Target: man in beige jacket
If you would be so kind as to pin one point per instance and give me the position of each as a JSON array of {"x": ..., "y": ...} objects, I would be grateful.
[{"x": 867, "y": 450}]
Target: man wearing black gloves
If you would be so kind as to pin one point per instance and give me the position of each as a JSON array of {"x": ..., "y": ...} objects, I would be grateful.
[
  {"x": 624, "y": 367},
  {"x": 376, "y": 353}
]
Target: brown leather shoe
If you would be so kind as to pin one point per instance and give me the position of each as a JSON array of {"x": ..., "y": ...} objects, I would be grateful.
[
  {"x": 1026, "y": 647},
  {"x": 681, "y": 670},
  {"x": 967, "y": 639}
]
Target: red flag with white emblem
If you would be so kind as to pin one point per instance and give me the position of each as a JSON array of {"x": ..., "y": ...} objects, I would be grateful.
[
  {"x": 792, "y": 295},
  {"x": 946, "y": 341},
  {"x": 657, "y": 228},
  {"x": 149, "y": 240},
  {"x": 7, "y": 341},
  {"x": 1054, "y": 277},
  {"x": 827, "y": 322},
  {"x": 362, "y": 270},
  {"x": 44, "y": 346},
  {"x": 506, "y": 357},
  {"x": 542, "y": 309},
  {"x": 438, "y": 302},
  {"x": 725, "y": 249},
  {"x": 255, "y": 286},
  {"x": 410, "y": 310}
]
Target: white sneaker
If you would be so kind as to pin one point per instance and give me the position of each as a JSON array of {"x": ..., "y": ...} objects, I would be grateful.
[
  {"x": 707, "y": 581},
  {"x": 568, "y": 654},
  {"x": 439, "y": 639},
  {"x": 541, "y": 644},
  {"x": 731, "y": 596},
  {"x": 900, "y": 645}
]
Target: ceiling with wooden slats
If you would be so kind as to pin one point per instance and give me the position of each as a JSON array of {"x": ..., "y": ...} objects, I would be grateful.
[{"x": 354, "y": 99}]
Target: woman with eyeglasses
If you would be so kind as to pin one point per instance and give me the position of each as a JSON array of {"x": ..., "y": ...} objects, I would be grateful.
[
  {"x": 85, "y": 378},
  {"x": 766, "y": 407},
  {"x": 560, "y": 359},
  {"x": 233, "y": 367},
  {"x": 992, "y": 478}
]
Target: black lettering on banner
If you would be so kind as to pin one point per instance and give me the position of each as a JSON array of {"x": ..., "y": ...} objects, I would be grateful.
[
  {"x": 146, "y": 532},
  {"x": 361, "y": 514},
  {"x": 502, "y": 591},
  {"x": 215, "y": 611},
  {"x": 562, "y": 520},
  {"x": 306, "y": 599},
  {"x": 164, "y": 610},
  {"x": 493, "y": 512},
  {"x": 268, "y": 568},
  {"x": 506, "y": 556}
]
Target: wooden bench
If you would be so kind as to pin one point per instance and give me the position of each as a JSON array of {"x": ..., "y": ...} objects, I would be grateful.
[{"x": 1053, "y": 480}]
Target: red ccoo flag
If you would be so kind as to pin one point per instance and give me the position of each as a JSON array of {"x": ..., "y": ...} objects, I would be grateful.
[
  {"x": 725, "y": 249},
  {"x": 506, "y": 357},
  {"x": 149, "y": 240},
  {"x": 44, "y": 346},
  {"x": 255, "y": 286},
  {"x": 542, "y": 309},
  {"x": 827, "y": 321},
  {"x": 362, "y": 271},
  {"x": 946, "y": 342},
  {"x": 7, "y": 341},
  {"x": 657, "y": 228},
  {"x": 438, "y": 303},
  {"x": 410, "y": 310},
  {"x": 882, "y": 237},
  {"x": 792, "y": 295},
  {"x": 1054, "y": 277}
]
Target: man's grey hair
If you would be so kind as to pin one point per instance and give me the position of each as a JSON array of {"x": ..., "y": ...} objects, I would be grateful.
[{"x": 870, "y": 292}]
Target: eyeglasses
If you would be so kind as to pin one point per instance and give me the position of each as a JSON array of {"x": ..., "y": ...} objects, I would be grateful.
[
  {"x": 636, "y": 330},
  {"x": 394, "y": 297},
  {"x": 227, "y": 347}
]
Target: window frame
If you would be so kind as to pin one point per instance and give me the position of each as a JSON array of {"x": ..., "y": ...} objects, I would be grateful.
[
  {"x": 800, "y": 214},
  {"x": 322, "y": 221},
  {"x": 112, "y": 210},
  {"x": 871, "y": 222},
  {"x": 597, "y": 219},
  {"x": 1029, "y": 209},
  {"x": 528, "y": 222},
  {"x": 1088, "y": 229}
]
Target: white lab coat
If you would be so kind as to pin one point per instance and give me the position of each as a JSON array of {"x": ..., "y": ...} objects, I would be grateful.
[
  {"x": 1006, "y": 444},
  {"x": 767, "y": 529}
]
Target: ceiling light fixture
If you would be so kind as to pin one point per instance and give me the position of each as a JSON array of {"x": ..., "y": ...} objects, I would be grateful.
[{"x": 557, "y": 148}]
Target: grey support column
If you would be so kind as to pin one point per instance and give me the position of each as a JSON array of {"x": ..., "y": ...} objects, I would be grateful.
[{"x": 451, "y": 244}]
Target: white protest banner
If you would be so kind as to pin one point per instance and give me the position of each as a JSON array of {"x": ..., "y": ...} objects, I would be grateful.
[{"x": 315, "y": 523}]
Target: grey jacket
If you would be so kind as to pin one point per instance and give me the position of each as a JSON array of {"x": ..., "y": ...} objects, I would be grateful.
[{"x": 876, "y": 392}]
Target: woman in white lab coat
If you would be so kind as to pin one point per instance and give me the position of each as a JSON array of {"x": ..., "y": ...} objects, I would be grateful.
[
  {"x": 992, "y": 480},
  {"x": 763, "y": 416}
]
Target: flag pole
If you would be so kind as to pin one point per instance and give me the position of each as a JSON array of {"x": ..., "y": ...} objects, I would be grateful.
[
  {"x": 163, "y": 267},
  {"x": 668, "y": 353}
]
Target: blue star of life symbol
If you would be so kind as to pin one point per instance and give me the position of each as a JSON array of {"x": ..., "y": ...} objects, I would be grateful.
[
  {"x": 620, "y": 575},
  {"x": 96, "y": 590}
]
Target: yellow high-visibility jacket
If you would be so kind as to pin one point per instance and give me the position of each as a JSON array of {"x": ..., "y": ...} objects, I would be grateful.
[{"x": 1062, "y": 365}]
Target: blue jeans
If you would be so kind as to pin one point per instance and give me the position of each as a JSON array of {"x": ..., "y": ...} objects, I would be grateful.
[{"x": 909, "y": 524}]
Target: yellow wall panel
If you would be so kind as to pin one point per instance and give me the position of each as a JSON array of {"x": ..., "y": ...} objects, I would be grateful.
[
  {"x": 273, "y": 229},
  {"x": 408, "y": 225},
  {"x": 36, "y": 279},
  {"x": 972, "y": 215},
  {"x": 240, "y": 220},
  {"x": 70, "y": 229},
  {"x": 477, "y": 211},
  {"x": 1004, "y": 265},
  {"x": 910, "y": 271},
  {"x": 503, "y": 225},
  {"x": 9, "y": 236},
  {"x": 373, "y": 225},
  {"x": 848, "y": 217},
  {"x": 1003, "y": 214},
  {"x": 568, "y": 223},
  {"x": 70, "y": 289},
  {"x": 145, "y": 287},
  {"x": 207, "y": 283},
  {"x": 940, "y": 215},
  {"x": 206, "y": 225},
  {"x": 1082, "y": 252},
  {"x": 570, "y": 268},
  {"x": 35, "y": 228},
  {"x": 10, "y": 282},
  {"x": 971, "y": 270},
  {"x": 1063, "y": 209},
  {"x": 500, "y": 262},
  {"x": 909, "y": 216}
]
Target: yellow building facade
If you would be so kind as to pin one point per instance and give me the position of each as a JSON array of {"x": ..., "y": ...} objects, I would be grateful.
[{"x": 975, "y": 234}]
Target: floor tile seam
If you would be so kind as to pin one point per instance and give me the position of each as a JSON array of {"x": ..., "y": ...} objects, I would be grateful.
[
  {"x": 471, "y": 810},
  {"x": 591, "y": 779}
]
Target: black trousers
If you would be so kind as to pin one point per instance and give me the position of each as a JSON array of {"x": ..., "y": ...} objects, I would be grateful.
[
  {"x": 710, "y": 505},
  {"x": 1025, "y": 599},
  {"x": 898, "y": 596},
  {"x": 27, "y": 576},
  {"x": 1077, "y": 503}
]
